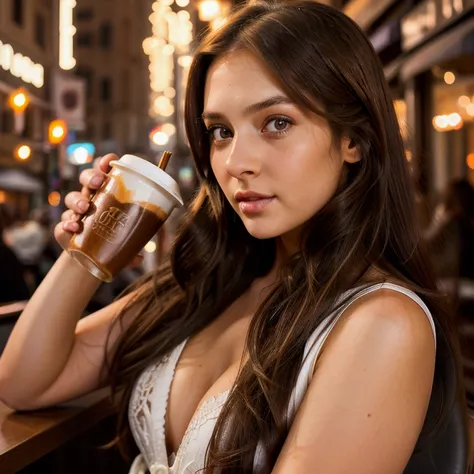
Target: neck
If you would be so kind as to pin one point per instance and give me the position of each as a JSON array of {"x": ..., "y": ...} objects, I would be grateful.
[
  {"x": 290, "y": 242},
  {"x": 283, "y": 252}
]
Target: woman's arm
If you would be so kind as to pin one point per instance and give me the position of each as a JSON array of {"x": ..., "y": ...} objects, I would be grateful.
[
  {"x": 50, "y": 357},
  {"x": 365, "y": 407}
]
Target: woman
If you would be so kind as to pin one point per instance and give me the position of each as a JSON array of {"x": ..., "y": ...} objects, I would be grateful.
[{"x": 284, "y": 335}]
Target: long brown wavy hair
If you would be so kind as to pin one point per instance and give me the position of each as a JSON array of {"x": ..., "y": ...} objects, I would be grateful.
[{"x": 327, "y": 66}]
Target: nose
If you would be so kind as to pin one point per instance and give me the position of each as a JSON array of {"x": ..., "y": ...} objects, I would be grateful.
[{"x": 243, "y": 160}]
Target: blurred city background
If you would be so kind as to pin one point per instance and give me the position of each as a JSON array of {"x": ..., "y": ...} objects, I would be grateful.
[{"x": 82, "y": 78}]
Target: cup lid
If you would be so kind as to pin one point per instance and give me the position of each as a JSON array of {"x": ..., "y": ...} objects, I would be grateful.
[{"x": 151, "y": 172}]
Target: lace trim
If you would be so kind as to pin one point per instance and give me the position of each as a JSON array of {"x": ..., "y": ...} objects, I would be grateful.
[
  {"x": 143, "y": 407},
  {"x": 140, "y": 412},
  {"x": 208, "y": 412}
]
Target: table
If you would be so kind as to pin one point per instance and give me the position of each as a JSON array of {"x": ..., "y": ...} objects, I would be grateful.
[{"x": 27, "y": 436}]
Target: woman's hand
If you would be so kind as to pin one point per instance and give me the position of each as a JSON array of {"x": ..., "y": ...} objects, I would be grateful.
[{"x": 78, "y": 202}]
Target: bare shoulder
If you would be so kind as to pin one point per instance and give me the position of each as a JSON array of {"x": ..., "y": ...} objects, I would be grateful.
[
  {"x": 369, "y": 392},
  {"x": 390, "y": 317}
]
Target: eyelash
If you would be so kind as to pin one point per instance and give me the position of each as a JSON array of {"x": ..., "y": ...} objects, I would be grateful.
[{"x": 277, "y": 134}]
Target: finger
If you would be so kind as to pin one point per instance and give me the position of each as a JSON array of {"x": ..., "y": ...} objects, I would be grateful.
[
  {"x": 104, "y": 162},
  {"x": 92, "y": 179},
  {"x": 71, "y": 226},
  {"x": 77, "y": 202},
  {"x": 61, "y": 235},
  {"x": 68, "y": 215}
]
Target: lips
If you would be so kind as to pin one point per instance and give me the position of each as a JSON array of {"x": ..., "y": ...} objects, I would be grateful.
[
  {"x": 251, "y": 202},
  {"x": 250, "y": 196}
]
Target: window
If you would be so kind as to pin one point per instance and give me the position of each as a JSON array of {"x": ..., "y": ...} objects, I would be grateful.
[
  {"x": 45, "y": 120},
  {"x": 126, "y": 89},
  {"x": 90, "y": 132},
  {"x": 17, "y": 12},
  {"x": 105, "y": 35},
  {"x": 107, "y": 130},
  {"x": 40, "y": 30},
  {"x": 7, "y": 121},
  {"x": 84, "y": 39},
  {"x": 86, "y": 74},
  {"x": 126, "y": 35},
  {"x": 28, "y": 129},
  {"x": 84, "y": 14},
  {"x": 106, "y": 89}
]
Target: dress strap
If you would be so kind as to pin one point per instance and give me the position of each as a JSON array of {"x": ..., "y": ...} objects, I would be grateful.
[{"x": 318, "y": 338}]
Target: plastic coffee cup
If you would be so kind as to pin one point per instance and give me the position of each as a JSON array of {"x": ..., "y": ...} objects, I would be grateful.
[{"x": 125, "y": 213}]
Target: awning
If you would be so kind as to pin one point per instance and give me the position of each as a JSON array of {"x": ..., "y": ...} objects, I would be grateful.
[
  {"x": 19, "y": 180},
  {"x": 456, "y": 42}
]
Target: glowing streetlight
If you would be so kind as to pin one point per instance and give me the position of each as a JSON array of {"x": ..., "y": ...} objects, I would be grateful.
[
  {"x": 22, "y": 152},
  {"x": 449, "y": 77},
  {"x": 54, "y": 198},
  {"x": 150, "y": 247},
  {"x": 18, "y": 100},
  {"x": 160, "y": 138},
  {"x": 209, "y": 10},
  {"x": 57, "y": 132}
]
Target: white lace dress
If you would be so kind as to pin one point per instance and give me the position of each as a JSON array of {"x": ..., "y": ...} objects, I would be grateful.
[{"x": 149, "y": 402}]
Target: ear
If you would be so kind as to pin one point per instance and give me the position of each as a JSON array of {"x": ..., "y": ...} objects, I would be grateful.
[{"x": 349, "y": 151}]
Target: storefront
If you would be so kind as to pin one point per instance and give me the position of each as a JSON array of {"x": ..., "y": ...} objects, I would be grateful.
[
  {"x": 436, "y": 70},
  {"x": 20, "y": 189}
]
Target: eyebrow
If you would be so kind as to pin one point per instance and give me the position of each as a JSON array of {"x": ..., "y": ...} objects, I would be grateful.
[{"x": 264, "y": 104}]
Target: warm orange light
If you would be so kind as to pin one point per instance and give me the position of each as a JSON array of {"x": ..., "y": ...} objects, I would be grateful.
[
  {"x": 18, "y": 100},
  {"x": 57, "y": 131},
  {"x": 22, "y": 152},
  {"x": 54, "y": 198},
  {"x": 470, "y": 161},
  {"x": 209, "y": 10},
  {"x": 449, "y": 77},
  {"x": 444, "y": 123}
]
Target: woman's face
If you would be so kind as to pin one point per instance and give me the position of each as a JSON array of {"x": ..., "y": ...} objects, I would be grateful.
[{"x": 274, "y": 161}]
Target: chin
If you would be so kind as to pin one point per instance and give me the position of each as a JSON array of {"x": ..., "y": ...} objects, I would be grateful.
[{"x": 263, "y": 231}]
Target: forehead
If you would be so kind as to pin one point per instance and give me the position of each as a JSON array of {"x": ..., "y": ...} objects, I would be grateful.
[{"x": 240, "y": 77}]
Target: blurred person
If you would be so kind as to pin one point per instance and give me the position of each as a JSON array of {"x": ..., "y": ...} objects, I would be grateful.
[
  {"x": 29, "y": 240},
  {"x": 12, "y": 283},
  {"x": 296, "y": 326}
]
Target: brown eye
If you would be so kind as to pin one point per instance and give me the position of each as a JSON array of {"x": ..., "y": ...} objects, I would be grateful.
[
  {"x": 278, "y": 125},
  {"x": 219, "y": 134}
]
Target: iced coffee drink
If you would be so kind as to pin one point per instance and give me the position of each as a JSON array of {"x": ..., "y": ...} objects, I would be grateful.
[{"x": 125, "y": 213}]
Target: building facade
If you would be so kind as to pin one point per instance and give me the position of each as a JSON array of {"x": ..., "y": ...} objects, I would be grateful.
[
  {"x": 27, "y": 45},
  {"x": 108, "y": 47},
  {"x": 427, "y": 49}
]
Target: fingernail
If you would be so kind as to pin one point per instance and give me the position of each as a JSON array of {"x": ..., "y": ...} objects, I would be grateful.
[
  {"x": 96, "y": 180},
  {"x": 83, "y": 205}
]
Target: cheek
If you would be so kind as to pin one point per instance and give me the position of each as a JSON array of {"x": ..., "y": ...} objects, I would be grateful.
[
  {"x": 221, "y": 176},
  {"x": 311, "y": 184},
  {"x": 217, "y": 171}
]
